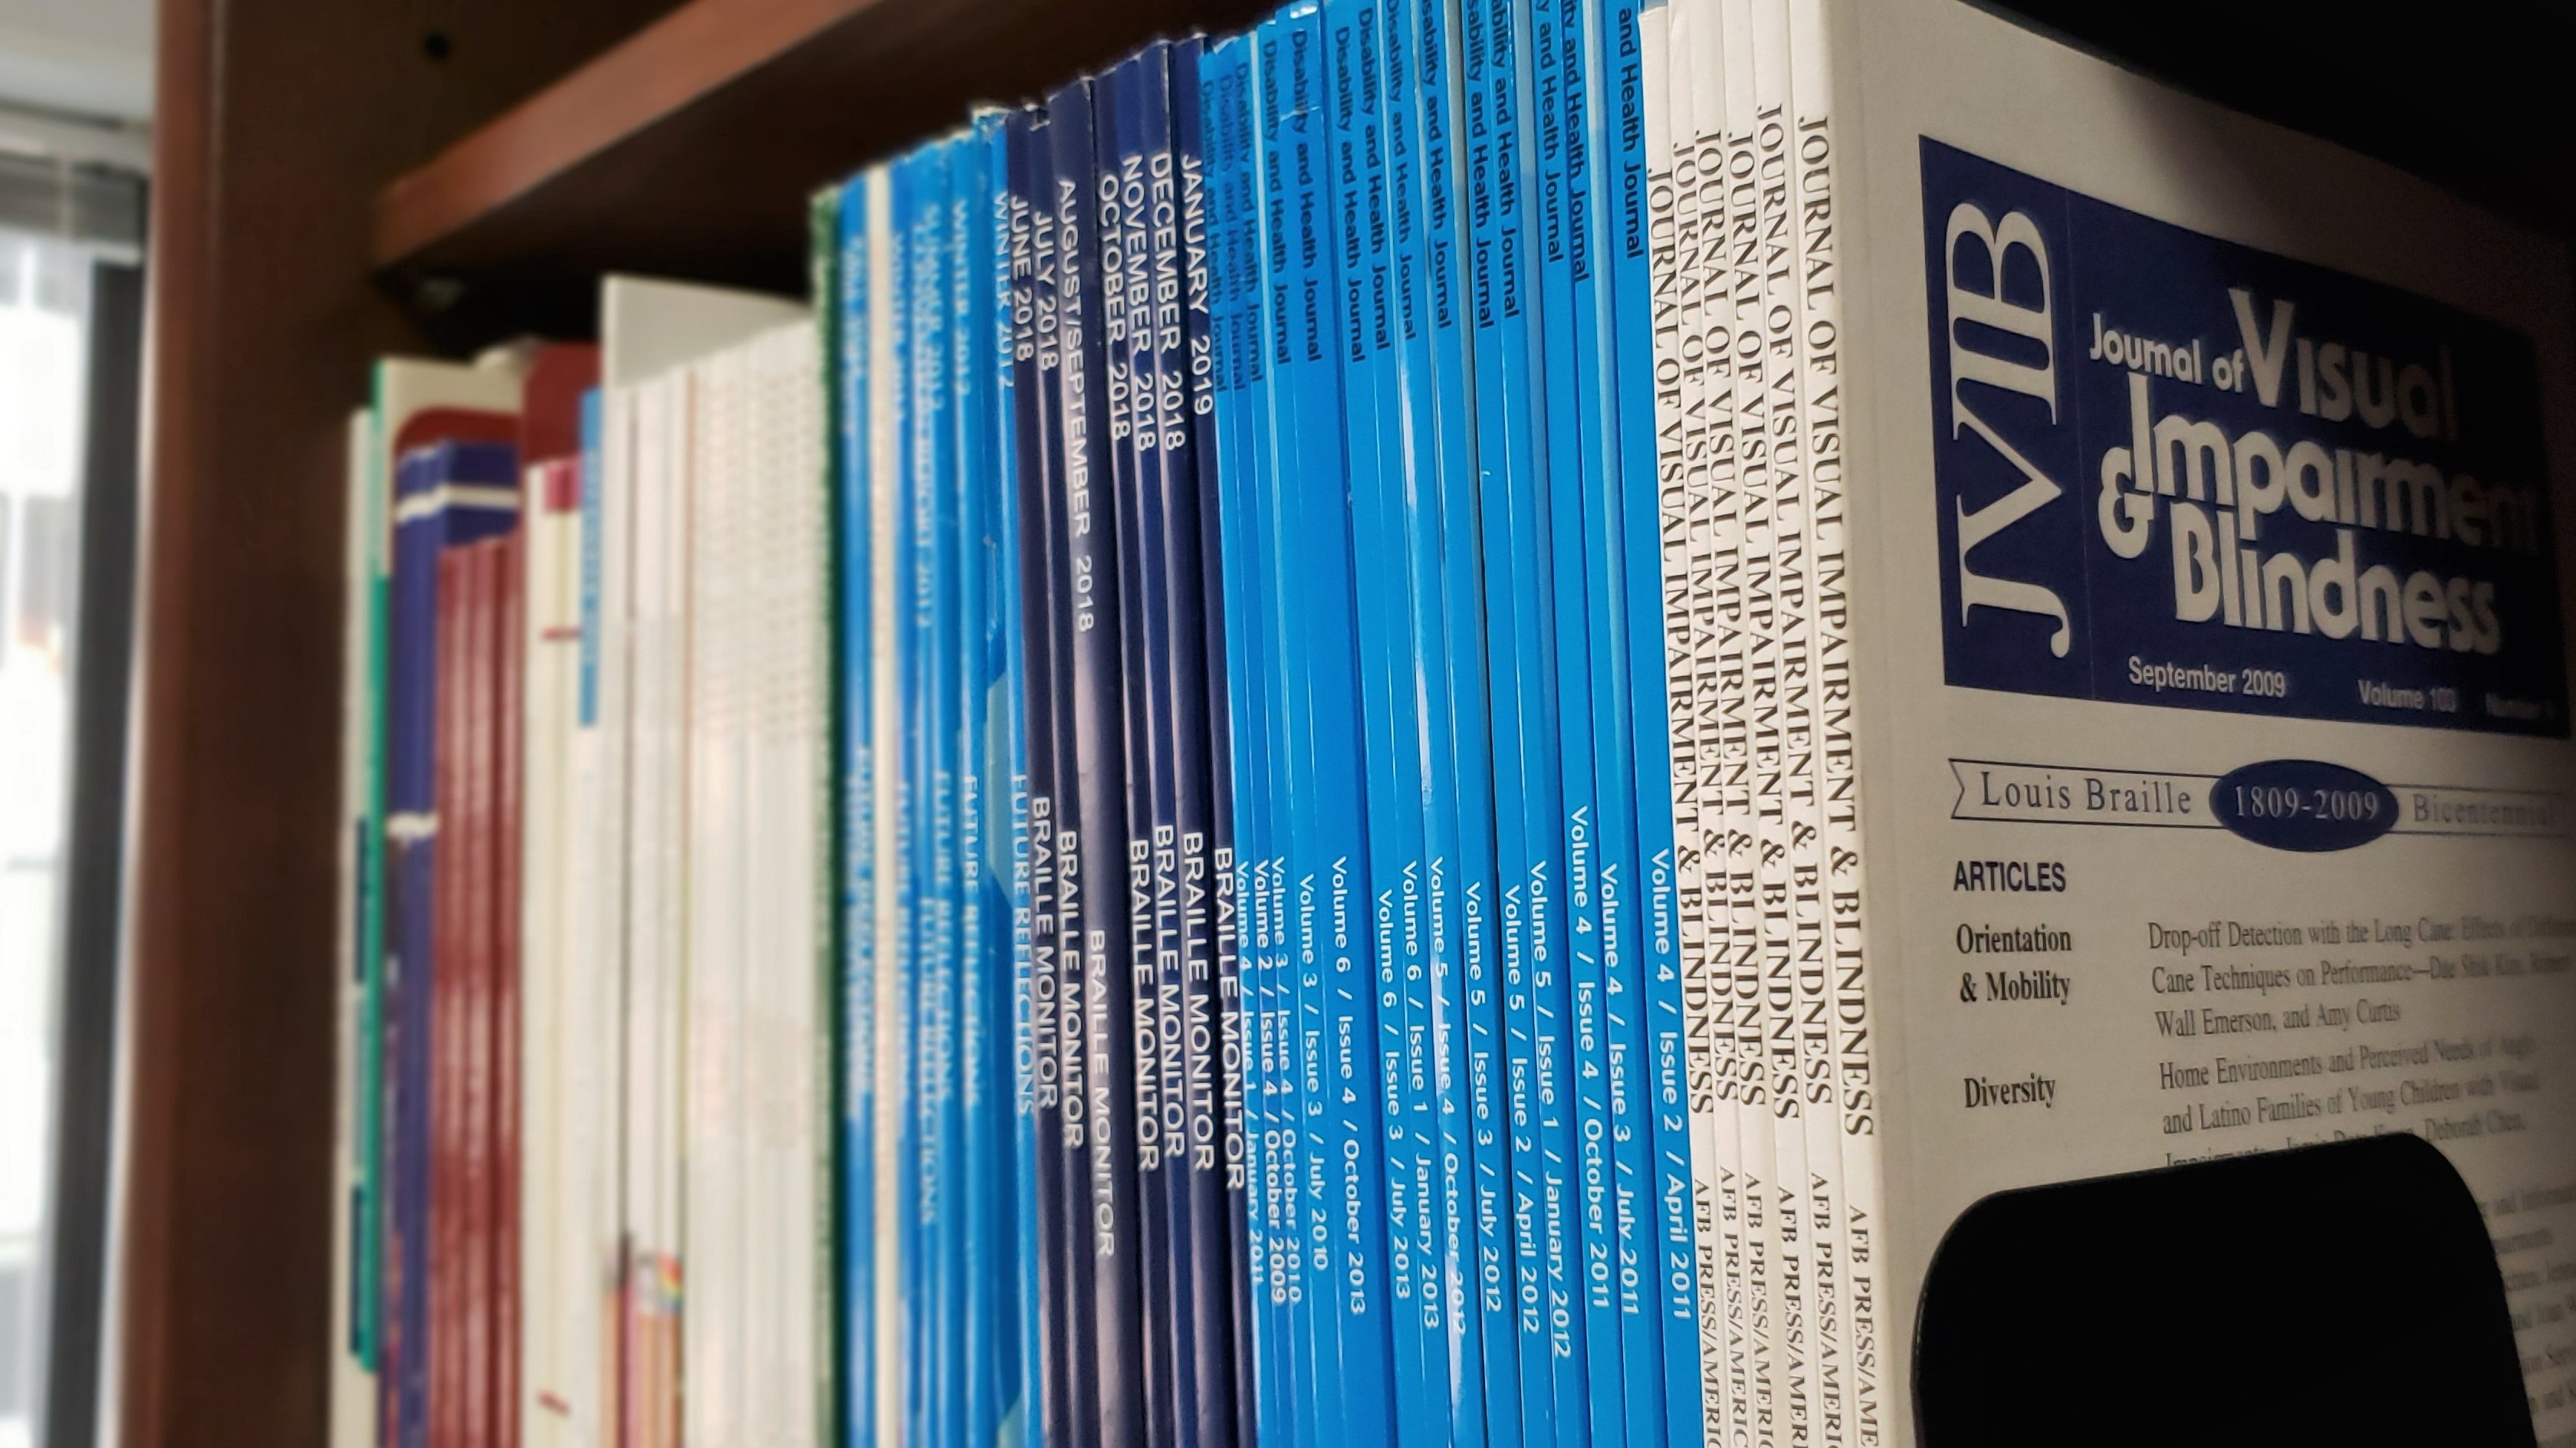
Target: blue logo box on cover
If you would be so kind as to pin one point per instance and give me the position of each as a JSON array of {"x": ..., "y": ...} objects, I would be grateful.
[{"x": 2176, "y": 471}]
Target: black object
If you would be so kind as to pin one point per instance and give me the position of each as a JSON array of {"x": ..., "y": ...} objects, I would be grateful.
[
  {"x": 2488, "y": 116},
  {"x": 94, "y": 852},
  {"x": 2344, "y": 1294}
]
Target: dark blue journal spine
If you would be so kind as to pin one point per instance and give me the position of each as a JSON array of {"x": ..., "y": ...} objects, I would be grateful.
[
  {"x": 1176, "y": 209},
  {"x": 1093, "y": 858},
  {"x": 1119, "y": 214}
]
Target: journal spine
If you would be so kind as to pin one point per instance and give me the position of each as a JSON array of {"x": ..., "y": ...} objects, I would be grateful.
[
  {"x": 509, "y": 1085},
  {"x": 1091, "y": 597},
  {"x": 1449, "y": 295},
  {"x": 1332, "y": 882},
  {"x": 904, "y": 879},
  {"x": 1284, "y": 55},
  {"x": 1362, "y": 336},
  {"x": 1200, "y": 886},
  {"x": 853, "y": 480},
  {"x": 1433, "y": 1060},
  {"x": 987, "y": 781},
  {"x": 1595, "y": 107},
  {"x": 1848, "y": 1216},
  {"x": 1578, "y": 1244},
  {"x": 1510, "y": 448},
  {"x": 1030, "y": 474},
  {"x": 1642, "y": 256},
  {"x": 1129, "y": 381},
  {"x": 1067, "y": 1139},
  {"x": 1247, "y": 774},
  {"x": 450, "y": 1005}
]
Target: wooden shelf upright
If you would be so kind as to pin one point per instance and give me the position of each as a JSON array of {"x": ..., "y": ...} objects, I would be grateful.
[{"x": 334, "y": 180}]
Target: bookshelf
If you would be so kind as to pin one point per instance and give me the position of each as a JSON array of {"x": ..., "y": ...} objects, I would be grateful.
[
  {"x": 540, "y": 143},
  {"x": 334, "y": 181}
]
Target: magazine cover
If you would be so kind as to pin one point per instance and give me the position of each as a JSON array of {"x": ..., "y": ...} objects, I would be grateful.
[{"x": 2203, "y": 544}]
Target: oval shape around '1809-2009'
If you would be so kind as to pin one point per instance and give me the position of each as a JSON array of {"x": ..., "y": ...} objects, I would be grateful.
[{"x": 2303, "y": 804}]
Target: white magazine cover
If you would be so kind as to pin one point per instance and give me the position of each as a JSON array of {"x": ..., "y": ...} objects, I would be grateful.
[
  {"x": 715, "y": 1200},
  {"x": 656, "y": 881},
  {"x": 651, "y": 332},
  {"x": 2207, "y": 670},
  {"x": 560, "y": 1182},
  {"x": 353, "y": 1378},
  {"x": 794, "y": 800},
  {"x": 594, "y": 868},
  {"x": 754, "y": 1033},
  {"x": 1704, "y": 605}
]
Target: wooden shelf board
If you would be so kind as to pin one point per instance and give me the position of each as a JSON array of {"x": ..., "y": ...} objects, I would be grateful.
[{"x": 689, "y": 149}]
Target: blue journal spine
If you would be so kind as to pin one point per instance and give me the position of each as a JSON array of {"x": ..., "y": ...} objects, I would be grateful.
[
  {"x": 1673, "y": 1261},
  {"x": 1372, "y": 421},
  {"x": 928, "y": 773},
  {"x": 960, "y": 736},
  {"x": 1331, "y": 881},
  {"x": 1288, "y": 59},
  {"x": 1047, "y": 1340},
  {"x": 1314, "y": 1327},
  {"x": 1510, "y": 448},
  {"x": 1410, "y": 463},
  {"x": 1250, "y": 663},
  {"x": 1235, "y": 730},
  {"x": 990, "y": 1016},
  {"x": 1023, "y": 1374},
  {"x": 900, "y": 1359},
  {"x": 1448, "y": 298},
  {"x": 1591, "y": 111},
  {"x": 897, "y": 975},
  {"x": 1588, "y": 1362},
  {"x": 411, "y": 846},
  {"x": 1426, "y": 339}
]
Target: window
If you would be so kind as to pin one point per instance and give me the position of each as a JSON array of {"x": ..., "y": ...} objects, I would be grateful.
[{"x": 56, "y": 993}]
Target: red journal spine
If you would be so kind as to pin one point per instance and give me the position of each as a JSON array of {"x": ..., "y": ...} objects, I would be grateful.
[
  {"x": 474, "y": 1407},
  {"x": 448, "y": 1008},
  {"x": 510, "y": 718}
]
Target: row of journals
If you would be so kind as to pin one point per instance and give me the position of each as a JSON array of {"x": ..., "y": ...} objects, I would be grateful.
[
  {"x": 588, "y": 928},
  {"x": 1219, "y": 798}
]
